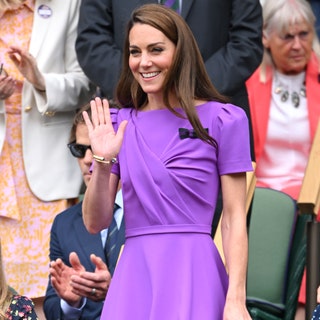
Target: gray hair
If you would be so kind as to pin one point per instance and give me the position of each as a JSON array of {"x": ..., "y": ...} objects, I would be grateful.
[{"x": 278, "y": 15}]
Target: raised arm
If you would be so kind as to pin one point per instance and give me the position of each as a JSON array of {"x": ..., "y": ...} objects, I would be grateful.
[{"x": 102, "y": 188}]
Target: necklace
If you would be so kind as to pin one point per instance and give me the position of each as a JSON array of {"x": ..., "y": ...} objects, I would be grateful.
[{"x": 284, "y": 93}]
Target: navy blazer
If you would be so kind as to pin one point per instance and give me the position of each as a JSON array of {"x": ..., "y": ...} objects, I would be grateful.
[{"x": 68, "y": 233}]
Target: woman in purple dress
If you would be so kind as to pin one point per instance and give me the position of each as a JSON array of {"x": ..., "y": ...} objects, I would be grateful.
[{"x": 173, "y": 143}]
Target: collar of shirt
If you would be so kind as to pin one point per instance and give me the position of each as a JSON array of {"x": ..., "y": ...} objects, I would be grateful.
[
  {"x": 118, "y": 215},
  {"x": 119, "y": 199}
]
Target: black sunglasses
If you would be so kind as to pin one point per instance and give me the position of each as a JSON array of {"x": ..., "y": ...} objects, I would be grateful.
[{"x": 78, "y": 150}]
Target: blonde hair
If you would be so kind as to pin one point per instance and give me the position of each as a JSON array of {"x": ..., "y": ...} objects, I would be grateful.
[
  {"x": 8, "y": 4},
  {"x": 5, "y": 293},
  {"x": 278, "y": 15}
]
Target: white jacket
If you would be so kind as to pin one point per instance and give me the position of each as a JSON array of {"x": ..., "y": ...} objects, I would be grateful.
[{"x": 47, "y": 117}]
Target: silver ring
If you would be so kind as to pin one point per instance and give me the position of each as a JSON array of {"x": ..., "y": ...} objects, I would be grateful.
[{"x": 93, "y": 291}]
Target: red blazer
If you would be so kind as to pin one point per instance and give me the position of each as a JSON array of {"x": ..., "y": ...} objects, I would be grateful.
[{"x": 260, "y": 98}]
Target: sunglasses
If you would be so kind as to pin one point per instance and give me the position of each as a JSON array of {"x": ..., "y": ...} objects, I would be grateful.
[{"x": 78, "y": 150}]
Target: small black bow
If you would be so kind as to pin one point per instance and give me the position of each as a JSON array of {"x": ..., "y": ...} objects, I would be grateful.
[{"x": 186, "y": 133}]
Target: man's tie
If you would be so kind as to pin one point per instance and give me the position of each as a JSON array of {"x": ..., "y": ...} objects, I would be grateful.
[
  {"x": 111, "y": 243},
  {"x": 173, "y": 4}
]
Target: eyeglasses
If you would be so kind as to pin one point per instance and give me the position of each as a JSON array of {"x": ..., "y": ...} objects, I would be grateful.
[{"x": 78, "y": 150}]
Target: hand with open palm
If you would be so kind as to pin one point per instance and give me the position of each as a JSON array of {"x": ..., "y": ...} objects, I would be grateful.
[{"x": 105, "y": 142}]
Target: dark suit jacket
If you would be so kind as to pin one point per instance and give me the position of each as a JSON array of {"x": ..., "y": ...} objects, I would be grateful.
[
  {"x": 228, "y": 33},
  {"x": 68, "y": 233}
]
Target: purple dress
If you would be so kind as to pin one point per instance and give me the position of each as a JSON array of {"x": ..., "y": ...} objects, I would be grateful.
[{"x": 170, "y": 268}]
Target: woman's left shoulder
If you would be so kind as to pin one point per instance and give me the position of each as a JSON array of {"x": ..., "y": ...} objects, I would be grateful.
[
  {"x": 222, "y": 111},
  {"x": 21, "y": 307}
]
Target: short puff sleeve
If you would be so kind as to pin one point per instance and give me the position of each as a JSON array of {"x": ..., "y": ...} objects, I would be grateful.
[{"x": 233, "y": 140}]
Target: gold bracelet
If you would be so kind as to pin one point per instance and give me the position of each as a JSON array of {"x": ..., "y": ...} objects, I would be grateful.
[{"x": 103, "y": 160}]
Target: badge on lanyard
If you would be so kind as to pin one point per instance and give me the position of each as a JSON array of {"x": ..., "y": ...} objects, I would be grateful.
[{"x": 44, "y": 11}]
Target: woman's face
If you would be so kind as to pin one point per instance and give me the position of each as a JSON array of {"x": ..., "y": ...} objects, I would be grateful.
[
  {"x": 151, "y": 56},
  {"x": 291, "y": 49}
]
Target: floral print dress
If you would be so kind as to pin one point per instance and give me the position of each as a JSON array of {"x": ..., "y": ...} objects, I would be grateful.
[
  {"x": 21, "y": 308},
  {"x": 25, "y": 220},
  {"x": 316, "y": 313}
]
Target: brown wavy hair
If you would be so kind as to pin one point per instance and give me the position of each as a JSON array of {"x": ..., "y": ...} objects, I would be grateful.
[
  {"x": 187, "y": 77},
  {"x": 78, "y": 119}
]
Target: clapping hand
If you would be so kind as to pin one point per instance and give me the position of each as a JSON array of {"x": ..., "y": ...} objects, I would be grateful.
[
  {"x": 61, "y": 278},
  {"x": 28, "y": 67},
  {"x": 7, "y": 84},
  {"x": 93, "y": 285},
  {"x": 73, "y": 283}
]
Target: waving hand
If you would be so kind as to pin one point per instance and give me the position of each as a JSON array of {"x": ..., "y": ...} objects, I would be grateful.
[{"x": 105, "y": 142}]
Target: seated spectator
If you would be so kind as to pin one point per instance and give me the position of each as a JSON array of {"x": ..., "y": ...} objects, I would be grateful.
[
  {"x": 284, "y": 98},
  {"x": 13, "y": 305},
  {"x": 284, "y": 95},
  {"x": 79, "y": 269}
]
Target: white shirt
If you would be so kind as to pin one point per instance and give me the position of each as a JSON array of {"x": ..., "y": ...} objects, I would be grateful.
[
  {"x": 118, "y": 215},
  {"x": 288, "y": 142}
]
